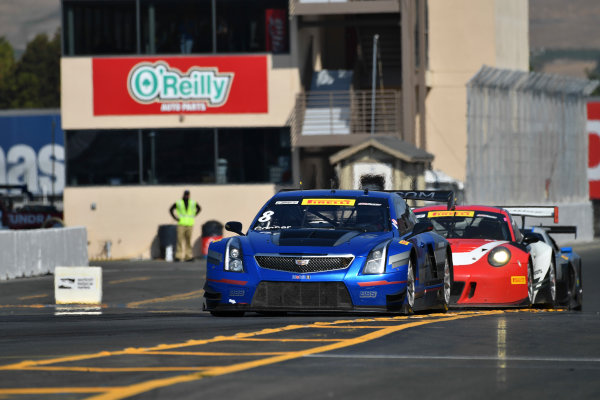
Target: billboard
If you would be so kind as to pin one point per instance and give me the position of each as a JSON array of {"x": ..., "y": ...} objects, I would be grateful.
[
  {"x": 180, "y": 85},
  {"x": 593, "y": 128},
  {"x": 27, "y": 155}
]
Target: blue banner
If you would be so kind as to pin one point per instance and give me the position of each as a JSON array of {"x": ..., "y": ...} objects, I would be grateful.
[{"x": 32, "y": 151}]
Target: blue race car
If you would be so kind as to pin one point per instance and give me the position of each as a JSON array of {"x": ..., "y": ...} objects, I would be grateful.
[{"x": 329, "y": 250}]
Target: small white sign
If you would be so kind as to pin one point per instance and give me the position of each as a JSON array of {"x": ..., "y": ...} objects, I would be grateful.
[{"x": 78, "y": 285}]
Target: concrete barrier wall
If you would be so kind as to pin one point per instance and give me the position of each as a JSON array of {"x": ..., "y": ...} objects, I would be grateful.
[{"x": 38, "y": 251}]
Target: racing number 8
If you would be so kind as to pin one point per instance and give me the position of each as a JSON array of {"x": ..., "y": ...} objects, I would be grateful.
[{"x": 266, "y": 217}]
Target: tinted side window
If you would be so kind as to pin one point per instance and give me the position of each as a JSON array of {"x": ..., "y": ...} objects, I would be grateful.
[
  {"x": 515, "y": 227},
  {"x": 404, "y": 215}
]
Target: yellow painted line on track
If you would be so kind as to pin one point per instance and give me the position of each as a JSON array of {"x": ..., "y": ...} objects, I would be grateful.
[
  {"x": 35, "y": 296},
  {"x": 141, "y": 350},
  {"x": 175, "y": 297},
  {"x": 62, "y": 306},
  {"x": 56, "y": 390},
  {"x": 143, "y": 387},
  {"x": 140, "y": 278},
  {"x": 22, "y": 306},
  {"x": 287, "y": 340},
  {"x": 355, "y": 327},
  {"x": 212, "y": 353},
  {"x": 117, "y": 369},
  {"x": 123, "y": 392}
]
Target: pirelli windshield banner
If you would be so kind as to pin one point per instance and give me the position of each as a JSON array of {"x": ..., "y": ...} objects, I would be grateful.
[{"x": 164, "y": 85}]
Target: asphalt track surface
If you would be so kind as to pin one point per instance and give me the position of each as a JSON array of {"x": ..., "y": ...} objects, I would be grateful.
[{"x": 150, "y": 340}]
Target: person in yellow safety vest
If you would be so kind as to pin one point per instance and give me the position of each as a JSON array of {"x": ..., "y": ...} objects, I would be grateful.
[{"x": 186, "y": 212}]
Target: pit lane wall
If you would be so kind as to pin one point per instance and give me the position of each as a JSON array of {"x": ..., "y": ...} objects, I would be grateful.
[
  {"x": 527, "y": 143},
  {"x": 128, "y": 217},
  {"x": 33, "y": 252}
]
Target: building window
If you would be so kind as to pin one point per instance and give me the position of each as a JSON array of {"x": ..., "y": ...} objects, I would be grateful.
[
  {"x": 255, "y": 155},
  {"x": 178, "y": 156},
  {"x": 101, "y": 157},
  {"x": 171, "y": 156},
  {"x": 252, "y": 26},
  {"x": 175, "y": 26},
  {"x": 99, "y": 27}
]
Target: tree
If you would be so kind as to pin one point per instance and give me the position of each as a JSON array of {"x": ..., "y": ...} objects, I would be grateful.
[
  {"x": 7, "y": 70},
  {"x": 37, "y": 74}
]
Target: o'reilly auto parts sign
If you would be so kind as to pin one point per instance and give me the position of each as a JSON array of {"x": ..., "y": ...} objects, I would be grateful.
[{"x": 210, "y": 85}]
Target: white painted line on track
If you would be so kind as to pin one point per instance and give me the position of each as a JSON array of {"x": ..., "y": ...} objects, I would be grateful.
[{"x": 458, "y": 357}]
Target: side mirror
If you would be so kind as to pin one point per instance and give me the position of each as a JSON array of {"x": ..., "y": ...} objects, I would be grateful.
[
  {"x": 235, "y": 227},
  {"x": 420, "y": 227},
  {"x": 566, "y": 249},
  {"x": 529, "y": 238}
]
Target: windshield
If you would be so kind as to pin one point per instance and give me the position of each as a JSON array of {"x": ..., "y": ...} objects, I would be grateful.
[
  {"x": 465, "y": 224},
  {"x": 365, "y": 214}
]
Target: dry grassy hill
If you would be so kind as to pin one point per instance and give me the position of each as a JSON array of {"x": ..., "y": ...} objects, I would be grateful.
[{"x": 564, "y": 24}]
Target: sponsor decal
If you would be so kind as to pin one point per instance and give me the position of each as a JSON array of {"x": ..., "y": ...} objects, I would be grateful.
[
  {"x": 367, "y": 294},
  {"x": 76, "y": 283},
  {"x": 395, "y": 223},
  {"x": 328, "y": 202},
  {"x": 369, "y": 204},
  {"x": 283, "y": 202},
  {"x": 149, "y": 82},
  {"x": 301, "y": 277},
  {"x": 460, "y": 213},
  {"x": 435, "y": 214},
  {"x": 541, "y": 211},
  {"x": 276, "y": 30},
  {"x": 272, "y": 227},
  {"x": 236, "y": 292},
  {"x": 593, "y": 167},
  {"x": 564, "y": 257},
  {"x": 417, "y": 195},
  {"x": 196, "y": 84},
  {"x": 27, "y": 155},
  {"x": 489, "y": 216},
  {"x": 518, "y": 280},
  {"x": 404, "y": 242},
  {"x": 66, "y": 283}
]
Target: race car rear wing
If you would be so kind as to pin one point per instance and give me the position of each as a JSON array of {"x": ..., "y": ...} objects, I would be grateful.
[
  {"x": 533, "y": 211},
  {"x": 567, "y": 229},
  {"x": 440, "y": 196}
]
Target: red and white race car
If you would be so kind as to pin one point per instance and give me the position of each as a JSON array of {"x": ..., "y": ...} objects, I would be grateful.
[{"x": 494, "y": 264}]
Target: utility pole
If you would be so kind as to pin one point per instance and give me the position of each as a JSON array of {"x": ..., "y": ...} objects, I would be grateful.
[{"x": 373, "y": 83}]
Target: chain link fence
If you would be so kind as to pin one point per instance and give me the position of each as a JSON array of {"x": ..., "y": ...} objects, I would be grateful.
[{"x": 527, "y": 142}]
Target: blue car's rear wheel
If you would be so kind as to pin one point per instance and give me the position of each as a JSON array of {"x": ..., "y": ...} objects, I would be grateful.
[
  {"x": 447, "y": 285},
  {"x": 409, "y": 304}
]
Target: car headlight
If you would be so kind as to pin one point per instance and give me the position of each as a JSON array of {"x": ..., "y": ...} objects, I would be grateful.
[
  {"x": 499, "y": 256},
  {"x": 376, "y": 260},
  {"x": 233, "y": 256}
]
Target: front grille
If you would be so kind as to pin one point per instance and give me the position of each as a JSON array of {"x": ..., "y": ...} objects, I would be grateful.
[
  {"x": 313, "y": 263},
  {"x": 302, "y": 295}
]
